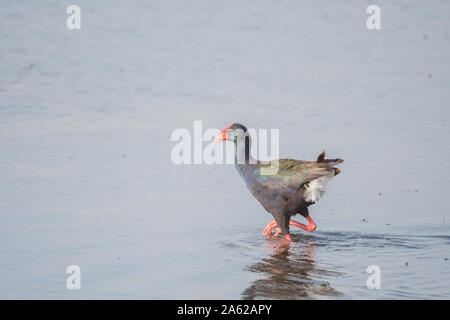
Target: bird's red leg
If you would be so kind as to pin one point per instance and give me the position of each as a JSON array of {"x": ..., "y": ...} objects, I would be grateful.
[{"x": 309, "y": 228}]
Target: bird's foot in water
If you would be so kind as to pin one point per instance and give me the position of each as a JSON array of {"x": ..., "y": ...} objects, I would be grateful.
[
  {"x": 288, "y": 239},
  {"x": 272, "y": 225}
]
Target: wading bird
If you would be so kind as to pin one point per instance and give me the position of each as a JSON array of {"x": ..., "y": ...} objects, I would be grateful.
[{"x": 290, "y": 190}]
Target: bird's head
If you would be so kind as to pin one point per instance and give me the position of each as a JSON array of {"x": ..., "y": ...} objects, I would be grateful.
[{"x": 232, "y": 133}]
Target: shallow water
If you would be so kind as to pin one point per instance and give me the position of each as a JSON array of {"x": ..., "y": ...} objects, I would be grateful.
[{"x": 86, "y": 176}]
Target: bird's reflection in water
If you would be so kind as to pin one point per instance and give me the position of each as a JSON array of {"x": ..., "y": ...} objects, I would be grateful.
[{"x": 290, "y": 272}]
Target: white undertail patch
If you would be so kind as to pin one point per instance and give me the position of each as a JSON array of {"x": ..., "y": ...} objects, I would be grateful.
[{"x": 315, "y": 189}]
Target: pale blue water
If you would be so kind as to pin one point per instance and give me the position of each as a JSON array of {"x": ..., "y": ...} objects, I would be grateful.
[{"x": 86, "y": 176}]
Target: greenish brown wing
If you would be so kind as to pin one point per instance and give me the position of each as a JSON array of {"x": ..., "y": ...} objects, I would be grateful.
[{"x": 295, "y": 173}]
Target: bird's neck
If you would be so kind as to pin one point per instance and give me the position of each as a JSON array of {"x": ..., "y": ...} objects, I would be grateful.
[
  {"x": 242, "y": 151},
  {"x": 243, "y": 160}
]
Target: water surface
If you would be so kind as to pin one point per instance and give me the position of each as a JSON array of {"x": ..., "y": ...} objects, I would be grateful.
[{"x": 86, "y": 176}]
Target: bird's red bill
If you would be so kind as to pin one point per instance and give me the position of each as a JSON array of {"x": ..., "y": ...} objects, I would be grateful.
[{"x": 222, "y": 136}]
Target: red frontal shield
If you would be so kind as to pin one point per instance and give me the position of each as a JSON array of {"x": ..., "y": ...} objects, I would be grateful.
[{"x": 222, "y": 136}]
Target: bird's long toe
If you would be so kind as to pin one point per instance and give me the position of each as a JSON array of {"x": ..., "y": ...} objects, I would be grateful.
[{"x": 269, "y": 228}]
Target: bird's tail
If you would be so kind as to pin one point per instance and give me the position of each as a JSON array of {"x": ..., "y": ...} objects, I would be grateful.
[{"x": 330, "y": 162}]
